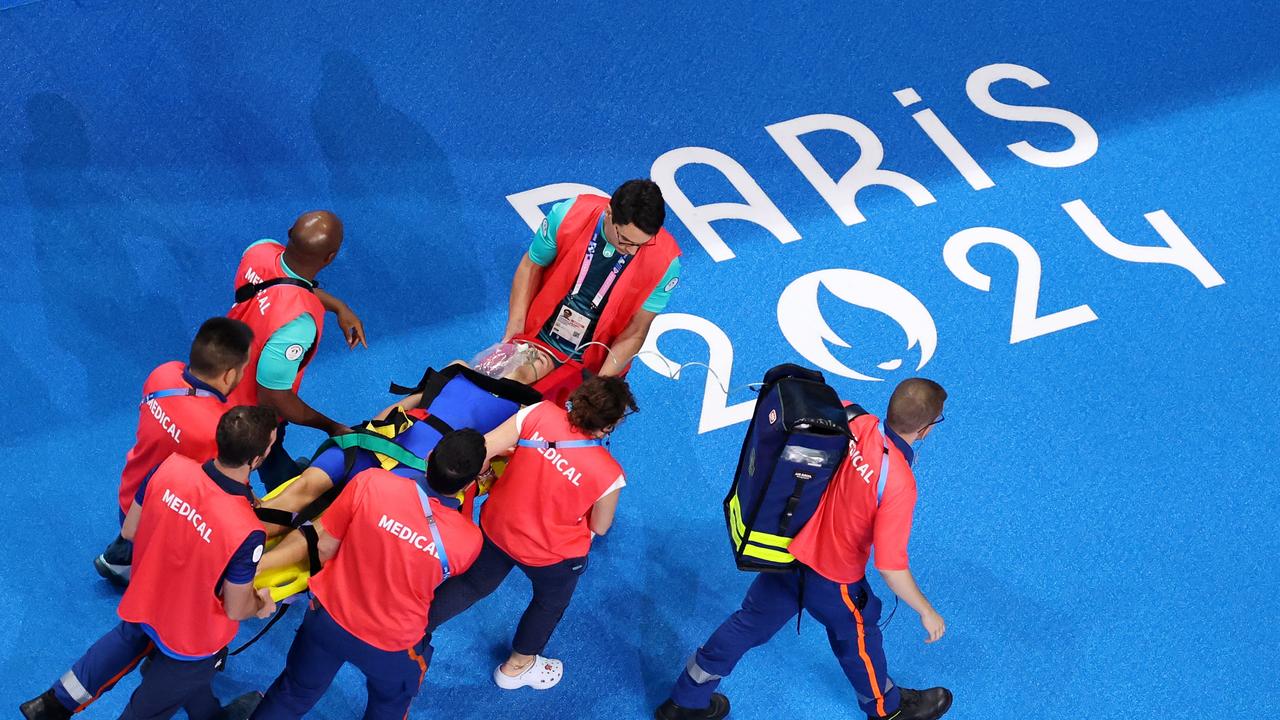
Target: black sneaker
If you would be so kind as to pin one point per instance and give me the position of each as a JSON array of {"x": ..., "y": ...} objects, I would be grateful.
[
  {"x": 242, "y": 707},
  {"x": 117, "y": 575},
  {"x": 928, "y": 704},
  {"x": 44, "y": 707},
  {"x": 718, "y": 708}
]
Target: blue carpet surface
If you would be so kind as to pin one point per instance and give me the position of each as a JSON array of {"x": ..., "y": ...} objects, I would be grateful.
[{"x": 1097, "y": 515}]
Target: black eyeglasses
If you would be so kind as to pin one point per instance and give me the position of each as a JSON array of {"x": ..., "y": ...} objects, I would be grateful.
[
  {"x": 940, "y": 419},
  {"x": 622, "y": 239}
]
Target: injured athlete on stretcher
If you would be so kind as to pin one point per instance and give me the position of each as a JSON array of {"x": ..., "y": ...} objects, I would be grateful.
[{"x": 400, "y": 438}]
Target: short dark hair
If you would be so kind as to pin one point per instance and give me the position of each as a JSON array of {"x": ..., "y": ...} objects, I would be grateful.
[
  {"x": 455, "y": 461},
  {"x": 639, "y": 203},
  {"x": 599, "y": 403},
  {"x": 915, "y": 403},
  {"x": 244, "y": 433},
  {"x": 220, "y": 344}
]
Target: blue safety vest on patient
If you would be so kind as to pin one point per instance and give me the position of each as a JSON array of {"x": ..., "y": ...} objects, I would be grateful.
[{"x": 458, "y": 403}]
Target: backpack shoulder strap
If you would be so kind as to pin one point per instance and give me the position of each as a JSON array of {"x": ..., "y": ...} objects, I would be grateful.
[{"x": 853, "y": 411}]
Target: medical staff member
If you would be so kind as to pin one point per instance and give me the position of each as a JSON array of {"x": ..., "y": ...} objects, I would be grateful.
[
  {"x": 834, "y": 547},
  {"x": 277, "y": 295},
  {"x": 598, "y": 270},
  {"x": 179, "y": 413},
  {"x": 560, "y": 490},
  {"x": 197, "y": 546},
  {"x": 386, "y": 542}
]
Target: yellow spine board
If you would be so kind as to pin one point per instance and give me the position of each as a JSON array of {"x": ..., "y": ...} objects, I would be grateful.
[{"x": 283, "y": 581}]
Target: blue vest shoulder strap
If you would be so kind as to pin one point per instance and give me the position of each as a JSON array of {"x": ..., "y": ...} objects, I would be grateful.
[
  {"x": 884, "y": 465},
  {"x": 174, "y": 392},
  {"x": 560, "y": 444},
  {"x": 445, "y": 571}
]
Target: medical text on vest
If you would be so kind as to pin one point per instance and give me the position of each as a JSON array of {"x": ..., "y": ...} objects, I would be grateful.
[
  {"x": 186, "y": 511},
  {"x": 859, "y": 463},
  {"x": 558, "y": 461},
  {"x": 255, "y": 279},
  {"x": 162, "y": 417},
  {"x": 409, "y": 535}
]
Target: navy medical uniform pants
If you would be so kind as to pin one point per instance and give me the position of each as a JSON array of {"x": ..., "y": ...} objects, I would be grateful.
[
  {"x": 320, "y": 649},
  {"x": 168, "y": 684},
  {"x": 553, "y": 587},
  {"x": 849, "y": 612}
]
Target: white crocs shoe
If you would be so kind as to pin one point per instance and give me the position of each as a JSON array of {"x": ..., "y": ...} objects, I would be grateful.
[{"x": 542, "y": 674}]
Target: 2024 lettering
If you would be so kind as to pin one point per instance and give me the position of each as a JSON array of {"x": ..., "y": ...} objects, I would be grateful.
[{"x": 798, "y": 315}]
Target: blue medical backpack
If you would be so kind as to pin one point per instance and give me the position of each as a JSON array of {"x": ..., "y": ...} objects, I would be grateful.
[{"x": 797, "y": 438}]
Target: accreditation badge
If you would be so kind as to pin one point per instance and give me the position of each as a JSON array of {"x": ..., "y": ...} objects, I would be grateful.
[{"x": 570, "y": 326}]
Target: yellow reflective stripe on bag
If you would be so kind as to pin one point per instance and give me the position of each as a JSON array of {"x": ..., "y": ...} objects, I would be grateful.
[
  {"x": 760, "y": 545},
  {"x": 765, "y": 554}
]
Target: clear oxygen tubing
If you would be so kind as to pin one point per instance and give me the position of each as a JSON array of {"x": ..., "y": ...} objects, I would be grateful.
[{"x": 675, "y": 374}]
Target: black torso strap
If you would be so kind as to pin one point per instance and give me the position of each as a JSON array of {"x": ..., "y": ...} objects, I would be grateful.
[
  {"x": 275, "y": 516},
  {"x": 437, "y": 424},
  {"x": 248, "y": 290},
  {"x": 433, "y": 381}
]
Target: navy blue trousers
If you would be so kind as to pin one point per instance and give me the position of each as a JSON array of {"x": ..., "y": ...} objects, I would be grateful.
[
  {"x": 167, "y": 685},
  {"x": 849, "y": 613},
  {"x": 320, "y": 649},
  {"x": 553, "y": 587}
]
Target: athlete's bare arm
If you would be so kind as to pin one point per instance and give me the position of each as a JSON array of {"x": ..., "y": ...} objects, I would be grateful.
[
  {"x": 410, "y": 402},
  {"x": 311, "y": 484},
  {"x": 293, "y": 549},
  {"x": 502, "y": 439}
]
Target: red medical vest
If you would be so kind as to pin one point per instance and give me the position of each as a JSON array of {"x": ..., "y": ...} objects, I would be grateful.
[
  {"x": 188, "y": 532},
  {"x": 380, "y": 584},
  {"x": 537, "y": 511},
  {"x": 837, "y": 540},
  {"x": 268, "y": 311},
  {"x": 183, "y": 424},
  {"x": 628, "y": 295}
]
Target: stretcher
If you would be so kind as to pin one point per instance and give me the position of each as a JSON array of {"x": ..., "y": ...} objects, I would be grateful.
[{"x": 289, "y": 580}]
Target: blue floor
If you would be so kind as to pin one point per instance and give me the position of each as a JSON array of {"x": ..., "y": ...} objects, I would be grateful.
[{"x": 1097, "y": 515}]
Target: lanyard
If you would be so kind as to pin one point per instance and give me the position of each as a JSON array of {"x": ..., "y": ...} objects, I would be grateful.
[
  {"x": 618, "y": 266},
  {"x": 884, "y": 465},
  {"x": 174, "y": 392},
  {"x": 445, "y": 571},
  {"x": 559, "y": 444}
]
